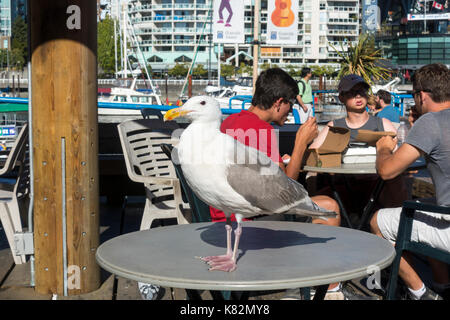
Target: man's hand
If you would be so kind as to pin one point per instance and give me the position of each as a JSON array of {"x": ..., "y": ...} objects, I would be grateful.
[
  {"x": 413, "y": 116},
  {"x": 300, "y": 102},
  {"x": 307, "y": 131},
  {"x": 386, "y": 143}
]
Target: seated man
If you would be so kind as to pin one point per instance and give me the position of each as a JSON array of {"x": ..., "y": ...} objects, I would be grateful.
[
  {"x": 383, "y": 99},
  {"x": 272, "y": 102},
  {"x": 353, "y": 93},
  {"x": 429, "y": 136}
]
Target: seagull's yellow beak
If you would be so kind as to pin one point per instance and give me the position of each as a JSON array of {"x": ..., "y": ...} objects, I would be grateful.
[{"x": 174, "y": 113}]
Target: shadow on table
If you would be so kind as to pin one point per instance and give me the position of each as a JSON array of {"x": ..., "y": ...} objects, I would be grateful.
[{"x": 254, "y": 238}]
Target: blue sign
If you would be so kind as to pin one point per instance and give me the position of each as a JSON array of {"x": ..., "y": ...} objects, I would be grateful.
[{"x": 8, "y": 131}]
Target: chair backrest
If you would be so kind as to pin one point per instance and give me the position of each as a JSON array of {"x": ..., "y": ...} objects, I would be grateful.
[
  {"x": 404, "y": 242},
  {"x": 140, "y": 140},
  {"x": 200, "y": 210},
  {"x": 149, "y": 113}
]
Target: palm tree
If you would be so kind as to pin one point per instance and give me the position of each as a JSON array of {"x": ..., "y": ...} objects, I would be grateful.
[{"x": 362, "y": 59}]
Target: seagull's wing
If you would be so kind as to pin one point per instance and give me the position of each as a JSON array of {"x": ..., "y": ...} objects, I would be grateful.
[{"x": 263, "y": 184}]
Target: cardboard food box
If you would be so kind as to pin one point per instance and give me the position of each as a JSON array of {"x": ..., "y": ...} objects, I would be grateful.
[
  {"x": 371, "y": 137},
  {"x": 329, "y": 154}
]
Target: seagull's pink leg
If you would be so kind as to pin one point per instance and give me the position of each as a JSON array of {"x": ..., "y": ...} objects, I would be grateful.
[
  {"x": 226, "y": 262},
  {"x": 229, "y": 264},
  {"x": 226, "y": 256}
]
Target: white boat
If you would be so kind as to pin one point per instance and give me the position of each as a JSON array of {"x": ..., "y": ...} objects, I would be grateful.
[
  {"x": 391, "y": 86},
  {"x": 242, "y": 90},
  {"x": 124, "y": 97}
]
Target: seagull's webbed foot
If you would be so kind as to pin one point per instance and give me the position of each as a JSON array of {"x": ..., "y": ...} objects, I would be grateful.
[
  {"x": 223, "y": 265},
  {"x": 225, "y": 262}
]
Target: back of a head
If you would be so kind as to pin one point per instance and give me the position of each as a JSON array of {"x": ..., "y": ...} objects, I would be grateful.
[
  {"x": 271, "y": 85},
  {"x": 385, "y": 96},
  {"x": 434, "y": 79}
]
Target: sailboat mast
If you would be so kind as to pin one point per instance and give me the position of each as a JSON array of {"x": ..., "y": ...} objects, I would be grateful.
[
  {"x": 256, "y": 42},
  {"x": 115, "y": 38},
  {"x": 125, "y": 70}
]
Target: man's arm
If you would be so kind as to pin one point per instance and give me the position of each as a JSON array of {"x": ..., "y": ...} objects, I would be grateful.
[
  {"x": 388, "y": 126},
  {"x": 300, "y": 102},
  {"x": 305, "y": 134},
  {"x": 390, "y": 164}
]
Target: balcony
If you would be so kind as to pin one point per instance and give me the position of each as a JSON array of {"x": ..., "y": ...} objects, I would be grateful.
[
  {"x": 342, "y": 32},
  {"x": 342, "y": 21}
]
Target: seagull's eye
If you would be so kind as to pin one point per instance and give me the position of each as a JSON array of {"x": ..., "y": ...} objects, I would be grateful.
[{"x": 203, "y": 103}]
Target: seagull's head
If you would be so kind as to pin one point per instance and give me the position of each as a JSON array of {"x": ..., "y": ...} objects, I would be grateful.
[{"x": 199, "y": 108}]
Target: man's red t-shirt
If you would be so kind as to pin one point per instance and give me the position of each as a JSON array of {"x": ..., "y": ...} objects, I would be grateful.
[{"x": 247, "y": 128}]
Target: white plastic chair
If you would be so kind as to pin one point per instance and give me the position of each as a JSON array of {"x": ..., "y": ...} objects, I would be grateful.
[
  {"x": 14, "y": 197},
  {"x": 146, "y": 163}
]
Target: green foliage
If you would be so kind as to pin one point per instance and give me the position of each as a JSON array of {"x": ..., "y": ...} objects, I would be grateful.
[
  {"x": 105, "y": 49},
  {"x": 322, "y": 70},
  {"x": 3, "y": 58},
  {"x": 226, "y": 70},
  {"x": 19, "y": 47},
  {"x": 293, "y": 71},
  {"x": 200, "y": 71},
  {"x": 362, "y": 59},
  {"x": 180, "y": 70},
  {"x": 243, "y": 68}
]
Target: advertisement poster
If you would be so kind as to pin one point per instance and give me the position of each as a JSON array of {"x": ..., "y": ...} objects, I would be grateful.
[
  {"x": 370, "y": 16},
  {"x": 228, "y": 21},
  {"x": 282, "y": 22}
]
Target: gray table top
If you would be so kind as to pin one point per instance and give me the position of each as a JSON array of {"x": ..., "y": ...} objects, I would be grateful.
[
  {"x": 346, "y": 168},
  {"x": 272, "y": 255}
]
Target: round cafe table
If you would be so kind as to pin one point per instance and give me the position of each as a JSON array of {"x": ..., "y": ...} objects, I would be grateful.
[{"x": 272, "y": 255}]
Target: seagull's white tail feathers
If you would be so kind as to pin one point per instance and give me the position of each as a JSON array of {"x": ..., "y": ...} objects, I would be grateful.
[
  {"x": 311, "y": 213},
  {"x": 318, "y": 212}
]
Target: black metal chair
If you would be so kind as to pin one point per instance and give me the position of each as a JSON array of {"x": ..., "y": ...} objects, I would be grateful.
[
  {"x": 148, "y": 113},
  {"x": 404, "y": 242},
  {"x": 200, "y": 210}
]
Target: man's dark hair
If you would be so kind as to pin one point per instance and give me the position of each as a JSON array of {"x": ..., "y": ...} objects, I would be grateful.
[
  {"x": 384, "y": 95},
  {"x": 434, "y": 79},
  {"x": 271, "y": 85},
  {"x": 305, "y": 72}
]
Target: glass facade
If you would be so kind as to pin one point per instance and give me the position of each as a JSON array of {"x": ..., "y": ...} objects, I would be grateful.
[
  {"x": 5, "y": 17},
  {"x": 421, "y": 50},
  {"x": 9, "y": 10},
  {"x": 415, "y": 32}
]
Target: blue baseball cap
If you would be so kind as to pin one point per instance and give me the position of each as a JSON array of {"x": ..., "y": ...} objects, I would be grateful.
[{"x": 349, "y": 81}]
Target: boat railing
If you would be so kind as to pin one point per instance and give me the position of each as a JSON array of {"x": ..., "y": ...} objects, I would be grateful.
[{"x": 244, "y": 98}]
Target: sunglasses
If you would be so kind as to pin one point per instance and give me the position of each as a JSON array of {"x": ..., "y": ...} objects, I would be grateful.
[
  {"x": 419, "y": 90},
  {"x": 355, "y": 92}
]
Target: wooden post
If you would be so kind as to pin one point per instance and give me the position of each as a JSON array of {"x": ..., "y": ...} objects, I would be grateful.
[
  {"x": 190, "y": 86},
  {"x": 64, "y": 101}
]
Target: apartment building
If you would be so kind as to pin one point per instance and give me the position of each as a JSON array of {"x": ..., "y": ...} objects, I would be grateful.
[{"x": 169, "y": 31}]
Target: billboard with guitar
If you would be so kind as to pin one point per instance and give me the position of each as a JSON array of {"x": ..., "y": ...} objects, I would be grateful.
[{"x": 282, "y": 22}]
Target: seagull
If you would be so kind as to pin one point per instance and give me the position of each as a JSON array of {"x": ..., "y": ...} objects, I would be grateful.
[{"x": 233, "y": 177}]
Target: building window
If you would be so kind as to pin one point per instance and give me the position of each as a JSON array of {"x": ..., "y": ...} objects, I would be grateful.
[{"x": 307, "y": 28}]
